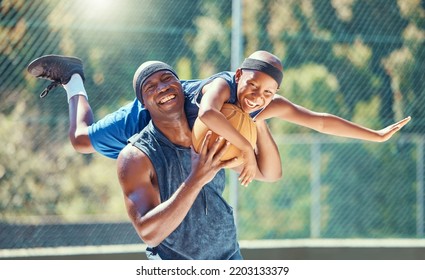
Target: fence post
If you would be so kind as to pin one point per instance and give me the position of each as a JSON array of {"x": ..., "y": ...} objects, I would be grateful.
[
  {"x": 315, "y": 214},
  {"x": 236, "y": 54},
  {"x": 420, "y": 187},
  {"x": 236, "y": 47}
]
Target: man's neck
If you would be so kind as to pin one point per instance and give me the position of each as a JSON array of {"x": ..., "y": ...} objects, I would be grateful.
[{"x": 176, "y": 130}]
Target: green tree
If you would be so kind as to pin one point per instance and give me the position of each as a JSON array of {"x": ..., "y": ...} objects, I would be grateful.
[{"x": 51, "y": 181}]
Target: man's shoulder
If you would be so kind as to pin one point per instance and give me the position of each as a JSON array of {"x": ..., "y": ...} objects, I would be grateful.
[
  {"x": 131, "y": 154},
  {"x": 132, "y": 159},
  {"x": 137, "y": 145},
  {"x": 134, "y": 169}
]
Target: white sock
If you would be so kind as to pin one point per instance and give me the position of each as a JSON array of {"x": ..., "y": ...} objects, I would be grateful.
[{"x": 75, "y": 86}]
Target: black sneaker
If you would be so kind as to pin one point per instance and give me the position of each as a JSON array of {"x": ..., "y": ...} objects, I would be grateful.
[{"x": 55, "y": 68}]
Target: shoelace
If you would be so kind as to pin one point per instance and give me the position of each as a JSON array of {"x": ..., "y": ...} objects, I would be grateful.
[{"x": 49, "y": 88}]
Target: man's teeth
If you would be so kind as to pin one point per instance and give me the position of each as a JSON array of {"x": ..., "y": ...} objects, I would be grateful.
[{"x": 167, "y": 98}]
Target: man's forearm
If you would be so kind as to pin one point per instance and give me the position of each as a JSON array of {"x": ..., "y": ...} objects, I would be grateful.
[{"x": 161, "y": 221}]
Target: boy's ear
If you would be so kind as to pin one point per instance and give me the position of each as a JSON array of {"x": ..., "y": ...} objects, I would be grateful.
[{"x": 238, "y": 75}]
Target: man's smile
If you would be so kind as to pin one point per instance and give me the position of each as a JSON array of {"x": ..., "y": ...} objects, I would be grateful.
[{"x": 167, "y": 98}]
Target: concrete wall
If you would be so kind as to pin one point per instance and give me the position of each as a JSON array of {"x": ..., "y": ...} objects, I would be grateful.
[{"x": 299, "y": 249}]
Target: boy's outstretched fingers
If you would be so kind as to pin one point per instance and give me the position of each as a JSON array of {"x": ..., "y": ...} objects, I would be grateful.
[
  {"x": 398, "y": 125},
  {"x": 404, "y": 121},
  {"x": 389, "y": 131}
]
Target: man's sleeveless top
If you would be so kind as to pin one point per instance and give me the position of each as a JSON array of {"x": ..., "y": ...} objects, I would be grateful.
[{"x": 208, "y": 231}]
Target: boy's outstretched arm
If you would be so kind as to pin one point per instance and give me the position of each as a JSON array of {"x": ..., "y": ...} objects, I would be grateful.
[{"x": 326, "y": 123}]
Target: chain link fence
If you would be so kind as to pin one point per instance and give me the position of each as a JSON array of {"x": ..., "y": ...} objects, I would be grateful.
[
  {"x": 338, "y": 188},
  {"x": 361, "y": 60}
]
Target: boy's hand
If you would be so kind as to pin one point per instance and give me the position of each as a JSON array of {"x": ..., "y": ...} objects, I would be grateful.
[
  {"x": 249, "y": 167},
  {"x": 389, "y": 131}
]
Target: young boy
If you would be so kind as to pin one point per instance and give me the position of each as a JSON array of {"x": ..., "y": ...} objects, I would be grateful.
[{"x": 253, "y": 88}]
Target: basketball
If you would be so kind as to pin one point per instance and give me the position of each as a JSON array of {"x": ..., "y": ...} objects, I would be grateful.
[{"x": 239, "y": 120}]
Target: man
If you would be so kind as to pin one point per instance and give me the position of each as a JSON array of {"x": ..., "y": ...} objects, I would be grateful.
[{"x": 175, "y": 205}]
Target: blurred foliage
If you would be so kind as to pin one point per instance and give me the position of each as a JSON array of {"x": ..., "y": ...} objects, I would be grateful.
[
  {"x": 359, "y": 59},
  {"x": 51, "y": 180}
]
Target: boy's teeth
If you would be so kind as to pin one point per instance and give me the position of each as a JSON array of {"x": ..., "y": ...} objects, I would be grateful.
[{"x": 251, "y": 104}]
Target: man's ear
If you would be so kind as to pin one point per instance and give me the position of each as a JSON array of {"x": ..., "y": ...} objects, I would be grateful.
[
  {"x": 141, "y": 100},
  {"x": 238, "y": 75}
]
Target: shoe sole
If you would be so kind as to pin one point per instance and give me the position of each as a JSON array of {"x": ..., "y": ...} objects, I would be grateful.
[{"x": 36, "y": 69}]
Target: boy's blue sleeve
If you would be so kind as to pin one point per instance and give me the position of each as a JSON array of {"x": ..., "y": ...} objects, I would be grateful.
[{"x": 109, "y": 135}]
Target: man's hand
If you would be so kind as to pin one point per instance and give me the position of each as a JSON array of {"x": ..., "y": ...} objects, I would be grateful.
[{"x": 207, "y": 163}]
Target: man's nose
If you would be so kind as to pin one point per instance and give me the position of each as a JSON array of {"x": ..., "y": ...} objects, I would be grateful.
[{"x": 162, "y": 87}]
